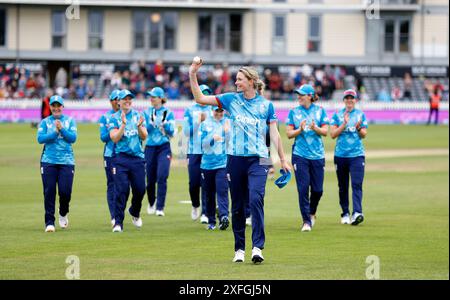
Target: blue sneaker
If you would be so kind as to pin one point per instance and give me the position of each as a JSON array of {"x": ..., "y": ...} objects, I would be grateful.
[
  {"x": 224, "y": 223},
  {"x": 211, "y": 227}
]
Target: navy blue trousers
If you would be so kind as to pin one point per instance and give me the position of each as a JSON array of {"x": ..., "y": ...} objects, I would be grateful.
[
  {"x": 215, "y": 182},
  {"x": 195, "y": 183},
  {"x": 247, "y": 181},
  {"x": 128, "y": 171},
  {"x": 309, "y": 175},
  {"x": 158, "y": 166},
  {"x": 110, "y": 186},
  {"x": 56, "y": 175},
  {"x": 345, "y": 168}
]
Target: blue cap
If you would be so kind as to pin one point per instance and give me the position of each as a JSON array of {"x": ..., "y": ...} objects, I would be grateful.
[
  {"x": 206, "y": 89},
  {"x": 157, "y": 92},
  {"x": 283, "y": 179},
  {"x": 124, "y": 93},
  {"x": 56, "y": 99},
  {"x": 114, "y": 95},
  {"x": 305, "y": 89}
]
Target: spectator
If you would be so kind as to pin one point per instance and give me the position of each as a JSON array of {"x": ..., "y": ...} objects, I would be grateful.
[
  {"x": 383, "y": 96},
  {"x": 173, "y": 92},
  {"x": 396, "y": 93},
  {"x": 408, "y": 83}
]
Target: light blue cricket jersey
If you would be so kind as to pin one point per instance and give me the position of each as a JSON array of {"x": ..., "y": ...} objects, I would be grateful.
[
  {"x": 249, "y": 123},
  {"x": 153, "y": 118},
  {"x": 104, "y": 122},
  {"x": 191, "y": 126},
  {"x": 130, "y": 143},
  {"x": 214, "y": 152},
  {"x": 308, "y": 144},
  {"x": 58, "y": 146},
  {"x": 349, "y": 143}
]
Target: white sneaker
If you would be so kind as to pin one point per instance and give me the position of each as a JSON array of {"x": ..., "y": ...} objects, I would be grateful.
[
  {"x": 195, "y": 213},
  {"x": 313, "y": 220},
  {"x": 136, "y": 221},
  {"x": 151, "y": 209},
  {"x": 248, "y": 221},
  {"x": 160, "y": 213},
  {"x": 239, "y": 256},
  {"x": 345, "y": 219},
  {"x": 306, "y": 227},
  {"x": 117, "y": 228},
  {"x": 63, "y": 222},
  {"x": 257, "y": 256},
  {"x": 113, "y": 222},
  {"x": 204, "y": 219},
  {"x": 50, "y": 228},
  {"x": 357, "y": 218}
]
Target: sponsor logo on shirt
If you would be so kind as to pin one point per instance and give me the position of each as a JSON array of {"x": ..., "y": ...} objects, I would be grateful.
[
  {"x": 247, "y": 120},
  {"x": 130, "y": 133}
]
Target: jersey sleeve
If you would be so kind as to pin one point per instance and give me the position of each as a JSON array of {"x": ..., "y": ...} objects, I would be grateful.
[
  {"x": 104, "y": 132},
  {"x": 290, "y": 119},
  {"x": 364, "y": 123},
  {"x": 271, "y": 115},
  {"x": 224, "y": 100},
  {"x": 70, "y": 134},
  {"x": 335, "y": 120},
  {"x": 324, "y": 118},
  {"x": 169, "y": 125},
  {"x": 187, "y": 121},
  {"x": 113, "y": 123},
  {"x": 42, "y": 135}
]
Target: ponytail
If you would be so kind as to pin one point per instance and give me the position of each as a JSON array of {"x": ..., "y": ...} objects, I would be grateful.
[{"x": 260, "y": 86}]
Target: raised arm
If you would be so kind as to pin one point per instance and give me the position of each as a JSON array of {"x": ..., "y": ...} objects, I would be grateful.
[{"x": 195, "y": 88}]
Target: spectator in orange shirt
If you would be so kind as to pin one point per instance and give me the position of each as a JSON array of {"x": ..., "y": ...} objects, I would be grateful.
[{"x": 435, "y": 99}]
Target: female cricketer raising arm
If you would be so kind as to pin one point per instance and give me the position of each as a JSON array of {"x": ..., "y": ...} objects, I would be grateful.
[{"x": 246, "y": 171}]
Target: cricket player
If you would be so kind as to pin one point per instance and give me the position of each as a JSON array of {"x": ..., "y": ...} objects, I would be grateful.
[
  {"x": 193, "y": 117},
  {"x": 128, "y": 130},
  {"x": 109, "y": 152},
  {"x": 247, "y": 161},
  {"x": 158, "y": 154},
  {"x": 57, "y": 132},
  {"x": 307, "y": 123},
  {"x": 349, "y": 126},
  {"x": 215, "y": 136}
]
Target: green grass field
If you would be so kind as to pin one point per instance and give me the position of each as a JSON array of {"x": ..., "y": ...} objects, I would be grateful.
[{"x": 406, "y": 207}]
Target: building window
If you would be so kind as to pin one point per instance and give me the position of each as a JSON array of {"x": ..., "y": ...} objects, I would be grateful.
[
  {"x": 389, "y": 35},
  {"x": 220, "y": 32},
  {"x": 139, "y": 32},
  {"x": 58, "y": 29},
  {"x": 279, "y": 33},
  {"x": 170, "y": 25},
  {"x": 204, "y": 25},
  {"x": 95, "y": 30},
  {"x": 404, "y": 37},
  {"x": 155, "y": 30},
  {"x": 235, "y": 33},
  {"x": 314, "y": 34},
  {"x": 397, "y": 36},
  {"x": 2, "y": 27}
]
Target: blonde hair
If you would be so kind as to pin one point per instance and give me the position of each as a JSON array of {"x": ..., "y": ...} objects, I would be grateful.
[{"x": 251, "y": 74}]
